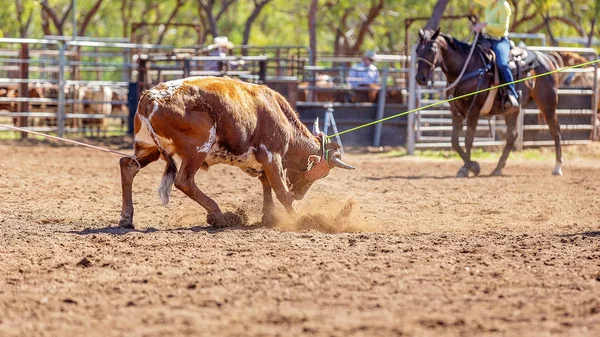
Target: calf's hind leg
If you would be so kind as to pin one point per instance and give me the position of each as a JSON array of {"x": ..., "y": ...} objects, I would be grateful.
[
  {"x": 185, "y": 181},
  {"x": 129, "y": 168}
]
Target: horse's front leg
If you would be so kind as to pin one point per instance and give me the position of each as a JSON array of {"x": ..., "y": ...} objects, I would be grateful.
[
  {"x": 472, "y": 122},
  {"x": 466, "y": 156},
  {"x": 511, "y": 135}
]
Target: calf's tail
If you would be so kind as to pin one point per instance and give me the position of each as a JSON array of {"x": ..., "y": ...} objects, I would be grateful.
[{"x": 168, "y": 178}]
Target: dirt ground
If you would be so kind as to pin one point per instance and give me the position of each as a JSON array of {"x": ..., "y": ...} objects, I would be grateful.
[{"x": 423, "y": 253}]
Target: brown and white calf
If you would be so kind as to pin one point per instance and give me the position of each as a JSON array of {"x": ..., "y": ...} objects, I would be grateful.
[{"x": 214, "y": 120}]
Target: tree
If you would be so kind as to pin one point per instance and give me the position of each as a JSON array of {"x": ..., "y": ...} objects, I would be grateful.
[
  {"x": 210, "y": 18},
  {"x": 178, "y": 5},
  {"x": 258, "y": 6},
  {"x": 24, "y": 17},
  {"x": 352, "y": 22},
  {"x": 50, "y": 13},
  {"x": 59, "y": 23},
  {"x": 312, "y": 30},
  {"x": 436, "y": 16}
]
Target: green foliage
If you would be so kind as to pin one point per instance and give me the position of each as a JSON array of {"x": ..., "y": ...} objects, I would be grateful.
[{"x": 284, "y": 22}]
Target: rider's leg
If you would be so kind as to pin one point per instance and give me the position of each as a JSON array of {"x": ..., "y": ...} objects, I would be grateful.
[{"x": 502, "y": 50}]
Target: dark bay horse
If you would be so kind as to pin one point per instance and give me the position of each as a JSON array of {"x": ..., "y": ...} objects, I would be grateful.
[{"x": 441, "y": 50}]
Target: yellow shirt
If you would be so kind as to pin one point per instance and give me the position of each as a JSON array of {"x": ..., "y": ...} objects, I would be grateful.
[{"x": 497, "y": 16}]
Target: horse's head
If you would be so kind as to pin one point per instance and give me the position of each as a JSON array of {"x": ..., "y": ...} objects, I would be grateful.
[{"x": 428, "y": 56}]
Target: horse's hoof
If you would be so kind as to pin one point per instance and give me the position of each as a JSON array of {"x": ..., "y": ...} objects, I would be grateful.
[
  {"x": 474, "y": 167},
  {"x": 462, "y": 173},
  {"x": 496, "y": 173},
  {"x": 557, "y": 172},
  {"x": 126, "y": 223}
]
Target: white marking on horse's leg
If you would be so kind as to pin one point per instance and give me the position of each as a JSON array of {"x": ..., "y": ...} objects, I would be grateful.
[
  {"x": 212, "y": 138},
  {"x": 558, "y": 169},
  {"x": 269, "y": 154}
]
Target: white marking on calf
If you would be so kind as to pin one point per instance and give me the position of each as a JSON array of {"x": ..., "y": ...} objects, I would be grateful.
[
  {"x": 212, "y": 138},
  {"x": 246, "y": 161},
  {"x": 153, "y": 110},
  {"x": 269, "y": 154},
  {"x": 172, "y": 86},
  {"x": 143, "y": 135},
  {"x": 153, "y": 134}
]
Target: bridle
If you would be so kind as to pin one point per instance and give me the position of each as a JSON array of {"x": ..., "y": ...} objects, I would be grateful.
[
  {"x": 462, "y": 72},
  {"x": 432, "y": 64}
]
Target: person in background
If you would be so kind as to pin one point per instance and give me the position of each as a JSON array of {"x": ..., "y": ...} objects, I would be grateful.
[
  {"x": 364, "y": 73},
  {"x": 220, "y": 47},
  {"x": 495, "y": 25}
]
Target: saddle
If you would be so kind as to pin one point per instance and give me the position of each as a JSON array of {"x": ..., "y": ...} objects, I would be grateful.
[{"x": 521, "y": 60}]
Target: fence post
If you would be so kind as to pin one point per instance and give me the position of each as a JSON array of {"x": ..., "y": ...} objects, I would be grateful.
[
  {"x": 412, "y": 104},
  {"x": 595, "y": 102},
  {"x": 262, "y": 71},
  {"x": 132, "y": 102},
  {"x": 61, "y": 89},
  {"x": 186, "y": 67},
  {"x": 381, "y": 106},
  {"x": 24, "y": 88}
]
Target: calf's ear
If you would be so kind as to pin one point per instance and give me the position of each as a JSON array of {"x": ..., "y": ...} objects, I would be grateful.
[{"x": 312, "y": 160}]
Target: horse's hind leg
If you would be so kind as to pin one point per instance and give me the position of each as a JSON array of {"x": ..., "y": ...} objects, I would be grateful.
[
  {"x": 547, "y": 99},
  {"x": 552, "y": 120},
  {"x": 511, "y": 135}
]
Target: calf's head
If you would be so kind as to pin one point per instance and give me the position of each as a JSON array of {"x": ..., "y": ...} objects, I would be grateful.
[{"x": 317, "y": 166}]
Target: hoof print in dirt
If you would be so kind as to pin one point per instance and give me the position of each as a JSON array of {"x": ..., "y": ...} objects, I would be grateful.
[{"x": 227, "y": 219}]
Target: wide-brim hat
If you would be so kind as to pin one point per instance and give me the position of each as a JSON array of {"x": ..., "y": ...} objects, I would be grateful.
[
  {"x": 221, "y": 41},
  {"x": 370, "y": 54}
]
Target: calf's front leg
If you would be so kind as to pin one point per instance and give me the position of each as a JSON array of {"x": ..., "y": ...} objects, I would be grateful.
[
  {"x": 273, "y": 170},
  {"x": 268, "y": 217}
]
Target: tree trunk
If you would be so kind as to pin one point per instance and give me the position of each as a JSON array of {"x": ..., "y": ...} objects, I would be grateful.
[
  {"x": 88, "y": 17},
  {"x": 170, "y": 19},
  {"x": 207, "y": 8},
  {"x": 366, "y": 25},
  {"x": 591, "y": 34},
  {"x": 258, "y": 6},
  {"x": 312, "y": 30},
  {"x": 436, "y": 16},
  {"x": 124, "y": 17},
  {"x": 23, "y": 20}
]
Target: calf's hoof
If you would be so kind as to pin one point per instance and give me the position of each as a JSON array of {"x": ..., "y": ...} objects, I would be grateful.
[
  {"x": 462, "y": 173},
  {"x": 268, "y": 220},
  {"x": 227, "y": 219},
  {"x": 126, "y": 223}
]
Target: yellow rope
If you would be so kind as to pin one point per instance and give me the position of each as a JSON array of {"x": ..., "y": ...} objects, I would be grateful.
[{"x": 462, "y": 96}]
